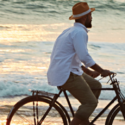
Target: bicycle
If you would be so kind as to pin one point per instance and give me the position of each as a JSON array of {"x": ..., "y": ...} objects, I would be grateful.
[{"x": 42, "y": 104}]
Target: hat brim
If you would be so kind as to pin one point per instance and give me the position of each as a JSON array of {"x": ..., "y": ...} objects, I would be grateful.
[{"x": 73, "y": 18}]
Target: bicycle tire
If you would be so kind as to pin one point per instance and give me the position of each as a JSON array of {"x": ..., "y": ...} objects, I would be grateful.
[
  {"x": 22, "y": 112},
  {"x": 115, "y": 116}
]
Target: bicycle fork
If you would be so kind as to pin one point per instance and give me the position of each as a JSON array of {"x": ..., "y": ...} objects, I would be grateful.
[{"x": 119, "y": 95}]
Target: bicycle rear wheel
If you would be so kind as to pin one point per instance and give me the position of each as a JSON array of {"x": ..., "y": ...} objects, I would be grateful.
[
  {"x": 116, "y": 117},
  {"x": 22, "y": 113}
]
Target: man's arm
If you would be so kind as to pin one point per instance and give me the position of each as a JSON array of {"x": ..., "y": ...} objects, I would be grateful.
[
  {"x": 97, "y": 68},
  {"x": 80, "y": 45},
  {"x": 97, "y": 71},
  {"x": 103, "y": 72},
  {"x": 91, "y": 73},
  {"x": 86, "y": 70}
]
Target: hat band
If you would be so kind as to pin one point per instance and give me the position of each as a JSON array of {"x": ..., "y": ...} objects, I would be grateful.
[{"x": 82, "y": 14}]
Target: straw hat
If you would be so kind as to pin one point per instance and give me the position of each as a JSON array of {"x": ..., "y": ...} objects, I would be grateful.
[{"x": 80, "y": 9}]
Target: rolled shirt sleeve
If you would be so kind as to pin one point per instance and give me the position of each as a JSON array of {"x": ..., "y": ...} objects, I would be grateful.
[{"x": 80, "y": 45}]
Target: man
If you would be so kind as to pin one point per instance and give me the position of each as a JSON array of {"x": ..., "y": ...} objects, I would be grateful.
[{"x": 69, "y": 52}]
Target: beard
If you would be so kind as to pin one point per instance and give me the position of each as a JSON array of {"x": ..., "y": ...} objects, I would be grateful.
[{"x": 88, "y": 23}]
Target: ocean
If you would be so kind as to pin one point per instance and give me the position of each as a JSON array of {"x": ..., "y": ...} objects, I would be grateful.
[{"x": 28, "y": 30}]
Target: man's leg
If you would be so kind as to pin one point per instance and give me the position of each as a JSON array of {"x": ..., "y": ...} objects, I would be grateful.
[
  {"x": 93, "y": 83},
  {"x": 78, "y": 87}
]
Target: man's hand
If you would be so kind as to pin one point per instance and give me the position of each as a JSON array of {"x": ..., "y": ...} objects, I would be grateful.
[{"x": 105, "y": 73}]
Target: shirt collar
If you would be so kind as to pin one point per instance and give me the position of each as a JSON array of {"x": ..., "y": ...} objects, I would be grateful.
[{"x": 81, "y": 25}]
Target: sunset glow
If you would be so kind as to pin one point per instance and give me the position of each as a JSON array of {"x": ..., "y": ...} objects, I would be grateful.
[{"x": 28, "y": 32}]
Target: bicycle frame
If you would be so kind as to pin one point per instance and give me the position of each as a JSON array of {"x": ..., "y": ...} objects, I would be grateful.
[
  {"x": 70, "y": 106},
  {"x": 117, "y": 97}
]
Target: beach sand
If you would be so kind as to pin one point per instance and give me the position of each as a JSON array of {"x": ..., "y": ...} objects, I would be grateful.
[{"x": 6, "y": 105}]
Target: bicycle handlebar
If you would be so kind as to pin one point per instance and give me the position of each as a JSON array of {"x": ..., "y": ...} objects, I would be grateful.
[{"x": 111, "y": 77}]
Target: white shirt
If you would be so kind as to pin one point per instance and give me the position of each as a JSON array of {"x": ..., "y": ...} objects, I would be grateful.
[{"x": 70, "y": 50}]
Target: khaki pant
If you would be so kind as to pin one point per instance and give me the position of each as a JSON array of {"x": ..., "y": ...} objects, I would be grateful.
[{"x": 80, "y": 87}]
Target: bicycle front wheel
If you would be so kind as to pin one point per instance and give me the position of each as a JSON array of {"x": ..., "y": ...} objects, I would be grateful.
[
  {"x": 22, "y": 112},
  {"x": 116, "y": 117}
]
